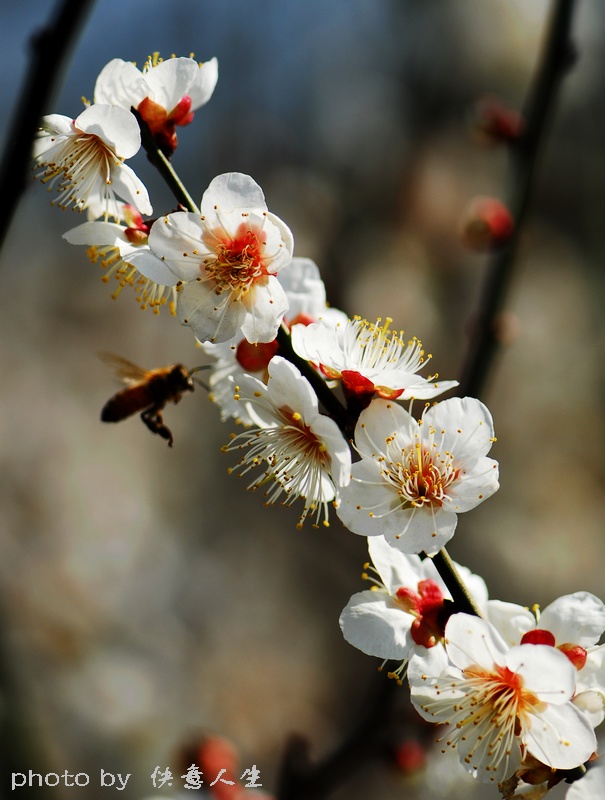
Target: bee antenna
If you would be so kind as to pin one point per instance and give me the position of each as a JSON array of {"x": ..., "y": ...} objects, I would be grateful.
[
  {"x": 201, "y": 383},
  {"x": 197, "y": 369}
]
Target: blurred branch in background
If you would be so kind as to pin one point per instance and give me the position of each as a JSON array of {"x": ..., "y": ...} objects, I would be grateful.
[
  {"x": 20, "y": 743},
  {"x": 558, "y": 57},
  {"x": 50, "y": 49},
  {"x": 301, "y": 779}
]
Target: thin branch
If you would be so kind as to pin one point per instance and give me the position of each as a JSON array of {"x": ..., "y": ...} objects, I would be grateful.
[
  {"x": 463, "y": 599},
  {"x": 50, "y": 48},
  {"x": 332, "y": 405},
  {"x": 304, "y": 779},
  {"x": 164, "y": 167},
  {"x": 558, "y": 56}
]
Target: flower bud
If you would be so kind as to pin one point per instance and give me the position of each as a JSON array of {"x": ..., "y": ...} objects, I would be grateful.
[
  {"x": 410, "y": 756},
  {"x": 495, "y": 122},
  {"x": 488, "y": 224}
]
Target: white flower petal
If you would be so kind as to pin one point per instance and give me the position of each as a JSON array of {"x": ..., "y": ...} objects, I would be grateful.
[
  {"x": 127, "y": 185},
  {"x": 287, "y": 387},
  {"x": 232, "y": 191},
  {"x": 477, "y": 481},
  {"x": 265, "y": 304},
  {"x": 152, "y": 267},
  {"x": 561, "y": 737},
  {"x": 546, "y": 672},
  {"x": 416, "y": 531},
  {"x": 116, "y": 126},
  {"x": 170, "y": 80},
  {"x": 510, "y": 620},
  {"x": 209, "y": 317},
  {"x": 578, "y": 618},
  {"x": 394, "y": 567},
  {"x": 120, "y": 83},
  {"x": 200, "y": 91},
  {"x": 96, "y": 233},
  {"x": 376, "y": 625},
  {"x": 177, "y": 239},
  {"x": 473, "y": 641},
  {"x": 468, "y": 429},
  {"x": 379, "y": 422}
]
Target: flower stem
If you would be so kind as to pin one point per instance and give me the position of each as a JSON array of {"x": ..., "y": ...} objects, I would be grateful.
[
  {"x": 463, "y": 600},
  {"x": 332, "y": 405},
  {"x": 164, "y": 167},
  {"x": 558, "y": 56}
]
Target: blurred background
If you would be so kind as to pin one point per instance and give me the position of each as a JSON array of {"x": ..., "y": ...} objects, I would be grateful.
[{"x": 145, "y": 597}]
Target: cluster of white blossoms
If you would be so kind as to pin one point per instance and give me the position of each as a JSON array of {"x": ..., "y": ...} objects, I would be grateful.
[
  {"x": 520, "y": 692},
  {"x": 327, "y": 409}
]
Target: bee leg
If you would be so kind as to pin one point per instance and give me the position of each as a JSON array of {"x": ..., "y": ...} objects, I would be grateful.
[{"x": 152, "y": 417}]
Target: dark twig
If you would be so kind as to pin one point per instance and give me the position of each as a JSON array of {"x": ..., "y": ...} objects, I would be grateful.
[
  {"x": 303, "y": 779},
  {"x": 557, "y": 58},
  {"x": 463, "y": 600},
  {"x": 50, "y": 47},
  {"x": 332, "y": 405}
]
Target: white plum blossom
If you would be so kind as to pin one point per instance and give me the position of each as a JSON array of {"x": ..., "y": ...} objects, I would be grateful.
[
  {"x": 572, "y": 624},
  {"x": 405, "y": 608},
  {"x": 415, "y": 476},
  {"x": 500, "y": 702},
  {"x": 228, "y": 259},
  {"x": 123, "y": 252},
  {"x": 85, "y": 157},
  {"x": 304, "y": 453},
  {"x": 165, "y": 93},
  {"x": 369, "y": 359},
  {"x": 306, "y": 295}
]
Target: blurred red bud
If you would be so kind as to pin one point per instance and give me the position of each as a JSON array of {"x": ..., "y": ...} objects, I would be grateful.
[
  {"x": 488, "y": 224},
  {"x": 410, "y": 756},
  {"x": 495, "y": 122}
]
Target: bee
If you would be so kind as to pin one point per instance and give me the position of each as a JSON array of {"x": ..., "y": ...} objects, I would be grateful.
[{"x": 147, "y": 391}]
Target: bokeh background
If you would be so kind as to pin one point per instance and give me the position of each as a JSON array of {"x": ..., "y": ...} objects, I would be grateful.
[{"x": 145, "y": 597}]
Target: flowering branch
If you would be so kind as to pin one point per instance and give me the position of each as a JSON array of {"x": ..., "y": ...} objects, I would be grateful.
[
  {"x": 521, "y": 691},
  {"x": 557, "y": 58},
  {"x": 50, "y": 49}
]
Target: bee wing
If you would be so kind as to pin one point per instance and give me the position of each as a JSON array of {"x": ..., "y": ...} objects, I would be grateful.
[{"x": 123, "y": 369}]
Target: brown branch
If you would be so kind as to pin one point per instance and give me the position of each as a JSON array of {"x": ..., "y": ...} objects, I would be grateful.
[
  {"x": 50, "y": 48},
  {"x": 558, "y": 56}
]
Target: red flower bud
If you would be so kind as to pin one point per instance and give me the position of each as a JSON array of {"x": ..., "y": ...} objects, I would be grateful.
[
  {"x": 488, "y": 225},
  {"x": 495, "y": 122}
]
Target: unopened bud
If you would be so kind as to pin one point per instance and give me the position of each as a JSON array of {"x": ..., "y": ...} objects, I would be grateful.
[
  {"x": 488, "y": 224},
  {"x": 495, "y": 122},
  {"x": 538, "y": 636},
  {"x": 255, "y": 357},
  {"x": 410, "y": 756},
  {"x": 576, "y": 654}
]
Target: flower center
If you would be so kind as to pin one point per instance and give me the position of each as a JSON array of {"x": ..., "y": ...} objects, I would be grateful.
[
  {"x": 82, "y": 162},
  {"x": 301, "y": 439},
  {"x": 298, "y": 463},
  {"x": 488, "y": 716},
  {"x": 239, "y": 262},
  {"x": 423, "y": 477}
]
